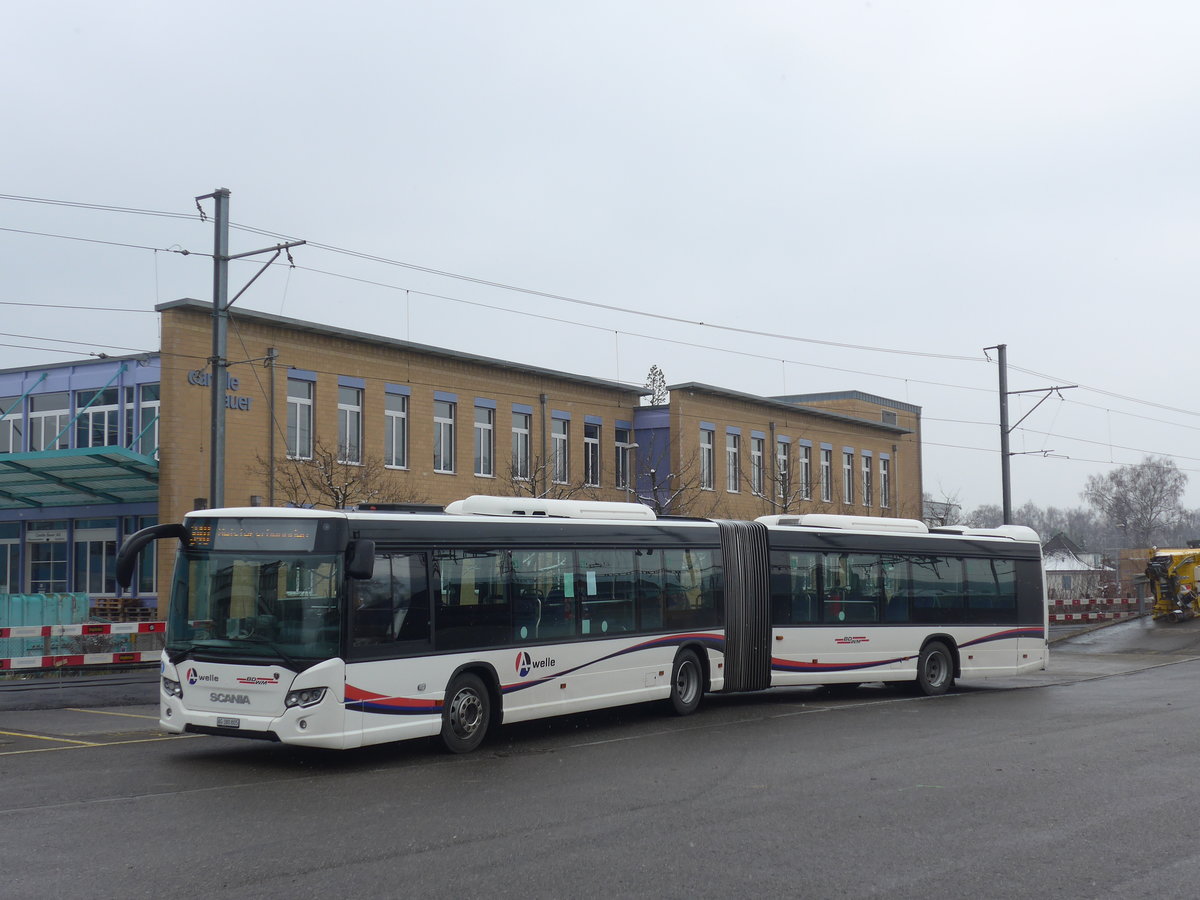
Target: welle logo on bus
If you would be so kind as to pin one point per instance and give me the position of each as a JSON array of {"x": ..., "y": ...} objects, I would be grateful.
[
  {"x": 526, "y": 664},
  {"x": 194, "y": 677}
]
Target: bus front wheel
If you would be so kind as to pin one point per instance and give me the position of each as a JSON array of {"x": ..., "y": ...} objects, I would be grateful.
[
  {"x": 687, "y": 683},
  {"x": 465, "y": 713},
  {"x": 935, "y": 669}
]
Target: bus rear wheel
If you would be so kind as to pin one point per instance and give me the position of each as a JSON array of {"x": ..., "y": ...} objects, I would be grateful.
[
  {"x": 935, "y": 669},
  {"x": 465, "y": 713},
  {"x": 687, "y": 683}
]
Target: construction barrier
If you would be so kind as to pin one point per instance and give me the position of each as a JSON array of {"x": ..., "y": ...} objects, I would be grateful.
[
  {"x": 85, "y": 642},
  {"x": 1092, "y": 609},
  {"x": 134, "y": 657}
]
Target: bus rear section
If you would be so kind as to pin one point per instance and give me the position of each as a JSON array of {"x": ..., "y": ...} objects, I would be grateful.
[{"x": 856, "y": 601}]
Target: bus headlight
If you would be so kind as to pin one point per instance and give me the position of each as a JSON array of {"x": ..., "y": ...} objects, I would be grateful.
[
  {"x": 306, "y": 697},
  {"x": 172, "y": 688}
]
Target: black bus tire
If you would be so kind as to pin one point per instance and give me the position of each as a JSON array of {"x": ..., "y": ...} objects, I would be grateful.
[
  {"x": 687, "y": 683},
  {"x": 466, "y": 712},
  {"x": 935, "y": 669}
]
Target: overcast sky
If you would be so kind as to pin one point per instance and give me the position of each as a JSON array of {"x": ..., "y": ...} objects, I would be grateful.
[{"x": 888, "y": 187}]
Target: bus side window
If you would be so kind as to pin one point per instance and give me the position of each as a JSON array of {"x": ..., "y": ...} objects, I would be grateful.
[
  {"x": 372, "y": 620},
  {"x": 607, "y": 581},
  {"x": 650, "y": 595},
  {"x": 793, "y": 582},
  {"x": 693, "y": 588},
  {"x": 991, "y": 591},
  {"x": 937, "y": 589},
  {"x": 393, "y": 604},
  {"x": 472, "y": 605}
]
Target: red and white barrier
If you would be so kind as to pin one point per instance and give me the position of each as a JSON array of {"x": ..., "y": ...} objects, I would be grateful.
[
  {"x": 86, "y": 629},
  {"x": 1092, "y": 609},
  {"x": 79, "y": 659},
  {"x": 1062, "y": 618}
]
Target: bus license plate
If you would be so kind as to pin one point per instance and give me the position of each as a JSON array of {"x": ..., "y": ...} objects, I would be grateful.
[{"x": 229, "y": 723}]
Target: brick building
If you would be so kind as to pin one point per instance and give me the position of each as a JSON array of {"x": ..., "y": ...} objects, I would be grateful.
[
  {"x": 325, "y": 416},
  {"x": 737, "y": 455}
]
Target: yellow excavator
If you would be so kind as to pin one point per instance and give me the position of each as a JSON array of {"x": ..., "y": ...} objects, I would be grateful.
[{"x": 1172, "y": 578}]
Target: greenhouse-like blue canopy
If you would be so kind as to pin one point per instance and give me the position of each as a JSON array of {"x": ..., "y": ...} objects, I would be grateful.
[{"x": 84, "y": 477}]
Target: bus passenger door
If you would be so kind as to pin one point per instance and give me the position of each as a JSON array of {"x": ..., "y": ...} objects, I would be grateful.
[{"x": 388, "y": 635}]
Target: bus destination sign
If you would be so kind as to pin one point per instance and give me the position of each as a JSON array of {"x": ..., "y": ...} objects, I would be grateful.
[{"x": 254, "y": 534}]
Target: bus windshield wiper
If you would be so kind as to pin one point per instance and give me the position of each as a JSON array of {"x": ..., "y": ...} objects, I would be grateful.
[{"x": 286, "y": 657}]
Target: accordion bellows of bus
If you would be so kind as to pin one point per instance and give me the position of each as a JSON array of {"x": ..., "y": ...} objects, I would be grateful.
[{"x": 346, "y": 628}]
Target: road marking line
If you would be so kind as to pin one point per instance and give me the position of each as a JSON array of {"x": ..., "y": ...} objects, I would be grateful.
[
  {"x": 42, "y": 737},
  {"x": 104, "y": 712},
  {"x": 86, "y": 746}
]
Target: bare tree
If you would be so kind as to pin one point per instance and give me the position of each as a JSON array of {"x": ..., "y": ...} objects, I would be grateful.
[
  {"x": 987, "y": 516},
  {"x": 327, "y": 481},
  {"x": 671, "y": 482},
  {"x": 786, "y": 490},
  {"x": 1144, "y": 497},
  {"x": 946, "y": 511},
  {"x": 538, "y": 481}
]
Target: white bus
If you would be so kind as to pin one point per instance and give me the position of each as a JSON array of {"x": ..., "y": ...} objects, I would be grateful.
[{"x": 347, "y": 628}]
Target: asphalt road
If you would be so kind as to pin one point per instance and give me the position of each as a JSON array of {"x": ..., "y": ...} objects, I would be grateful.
[{"x": 1069, "y": 783}]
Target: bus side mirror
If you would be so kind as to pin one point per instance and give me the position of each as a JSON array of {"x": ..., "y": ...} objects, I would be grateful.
[
  {"x": 128, "y": 556},
  {"x": 360, "y": 558}
]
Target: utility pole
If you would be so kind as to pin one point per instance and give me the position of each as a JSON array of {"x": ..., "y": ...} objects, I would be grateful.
[
  {"x": 1005, "y": 470},
  {"x": 220, "y": 333},
  {"x": 1005, "y": 453},
  {"x": 220, "y": 340}
]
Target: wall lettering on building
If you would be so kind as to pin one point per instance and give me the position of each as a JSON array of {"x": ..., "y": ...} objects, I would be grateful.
[{"x": 203, "y": 378}]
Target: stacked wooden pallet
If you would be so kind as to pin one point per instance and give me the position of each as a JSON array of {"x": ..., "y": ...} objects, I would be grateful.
[{"x": 123, "y": 609}]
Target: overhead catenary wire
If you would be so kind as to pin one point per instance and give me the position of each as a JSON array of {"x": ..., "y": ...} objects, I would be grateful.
[
  {"x": 560, "y": 298},
  {"x": 540, "y": 293}
]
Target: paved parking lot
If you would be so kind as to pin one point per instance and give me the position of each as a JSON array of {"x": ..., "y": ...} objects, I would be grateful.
[{"x": 74, "y": 728}]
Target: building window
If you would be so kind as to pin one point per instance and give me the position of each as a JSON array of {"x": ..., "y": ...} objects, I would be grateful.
[
  {"x": 443, "y": 436},
  {"x": 621, "y": 465},
  {"x": 733, "y": 464},
  {"x": 783, "y": 473},
  {"x": 395, "y": 435},
  {"x": 707, "y": 461},
  {"x": 885, "y": 482},
  {"x": 48, "y": 567},
  {"x": 97, "y": 424},
  {"x": 299, "y": 418},
  {"x": 350, "y": 401},
  {"x": 889, "y": 417},
  {"x": 96, "y": 560},
  {"x": 9, "y": 545},
  {"x": 827, "y": 474},
  {"x": 847, "y": 476},
  {"x": 48, "y": 418},
  {"x": 147, "y": 577},
  {"x": 521, "y": 424},
  {"x": 485, "y": 441},
  {"x": 591, "y": 454},
  {"x": 757, "y": 445},
  {"x": 560, "y": 460},
  {"x": 11, "y": 433},
  {"x": 868, "y": 486},
  {"x": 805, "y": 472},
  {"x": 145, "y": 439}
]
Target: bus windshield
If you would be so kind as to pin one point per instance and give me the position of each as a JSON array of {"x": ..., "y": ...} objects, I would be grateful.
[{"x": 276, "y": 606}]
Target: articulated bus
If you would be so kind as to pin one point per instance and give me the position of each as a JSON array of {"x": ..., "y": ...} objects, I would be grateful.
[{"x": 341, "y": 629}]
